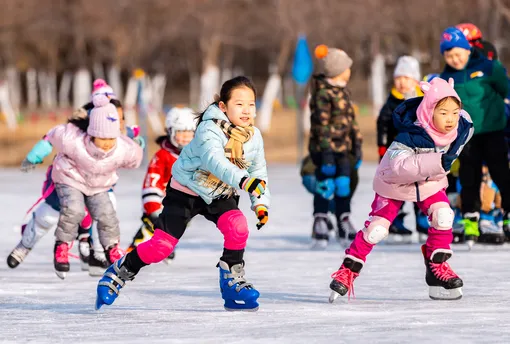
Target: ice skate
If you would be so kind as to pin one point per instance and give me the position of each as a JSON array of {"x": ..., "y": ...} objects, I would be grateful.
[
  {"x": 109, "y": 286},
  {"x": 84, "y": 248},
  {"x": 239, "y": 295},
  {"x": 490, "y": 232},
  {"x": 343, "y": 278},
  {"x": 443, "y": 282},
  {"x": 61, "y": 259},
  {"x": 346, "y": 230},
  {"x": 17, "y": 255},
  {"x": 398, "y": 232},
  {"x": 320, "y": 231}
]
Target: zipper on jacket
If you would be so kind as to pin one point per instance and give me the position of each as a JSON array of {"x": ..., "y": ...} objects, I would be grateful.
[{"x": 417, "y": 192}]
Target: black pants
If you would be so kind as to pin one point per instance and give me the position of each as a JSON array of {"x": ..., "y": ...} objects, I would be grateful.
[
  {"x": 492, "y": 149},
  {"x": 178, "y": 209},
  {"x": 345, "y": 166}
]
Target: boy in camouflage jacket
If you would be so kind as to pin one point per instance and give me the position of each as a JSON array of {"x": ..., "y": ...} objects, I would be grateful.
[{"x": 334, "y": 135}]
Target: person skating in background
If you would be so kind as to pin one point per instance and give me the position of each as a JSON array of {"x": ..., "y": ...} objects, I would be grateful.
[
  {"x": 84, "y": 169},
  {"x": 334, "y": 135},
  {"x": 482, "y": 86},
  {"x": 345, "y": 230},
  {"x": 180, "y": 126},
  {"x": 406, "y": 77},
  {"x": 432, "y": 131},
  {"x": 43, "y": 215}
]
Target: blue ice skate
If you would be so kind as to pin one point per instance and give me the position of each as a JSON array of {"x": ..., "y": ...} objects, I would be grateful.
[
  {"x": 112, "y": 282},
  {"x": 238, "y": 294}
]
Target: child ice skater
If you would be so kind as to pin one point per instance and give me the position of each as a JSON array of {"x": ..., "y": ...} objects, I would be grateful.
[
  {"x": 83, "y": 172},
  {"x": 226, "y": 154},
  {"x": 432, "y": 132}
]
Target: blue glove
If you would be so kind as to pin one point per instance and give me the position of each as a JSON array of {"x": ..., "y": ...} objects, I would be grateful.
[
  {"x": 328, "y": 170},
  {"x": 310, "y": 183},
  {"x": 40, "y": 151},
  {"x": 326, "y": 189},
  {"x": 141, "y": 141},
  {"x": 447, "y": 161},
  {"x": 342, "y": 186},
  {"x": 358, "y": 164}
]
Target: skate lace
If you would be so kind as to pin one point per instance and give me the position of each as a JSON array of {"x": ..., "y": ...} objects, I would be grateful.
[
  {"x": 346, "y": 277},
  {"x": 62, "y": 253},
  {"x": 236, "y": 277},
  {"x": 72, "y": 254},
  {"x": 20, "y": 252},
  {"x": 442, "y": 271}
]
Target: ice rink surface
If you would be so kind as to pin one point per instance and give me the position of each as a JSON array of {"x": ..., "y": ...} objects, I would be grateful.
[{"x": 181, "y": 302}]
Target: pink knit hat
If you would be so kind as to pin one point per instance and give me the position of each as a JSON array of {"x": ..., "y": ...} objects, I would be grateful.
[
  {"x": 101, "y": 87},
  {"x": 104, "y": 118},
  {"x": 433, "y": 92}
]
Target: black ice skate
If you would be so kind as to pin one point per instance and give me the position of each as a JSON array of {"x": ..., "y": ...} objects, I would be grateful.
[{"x": 443, "y": 282}]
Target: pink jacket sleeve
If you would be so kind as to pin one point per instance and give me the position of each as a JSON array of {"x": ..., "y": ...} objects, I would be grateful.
[
  {"x": 133, "y": 153},
  {"x": 408, "y": 167},
  {"x": 63, "y": 136}
]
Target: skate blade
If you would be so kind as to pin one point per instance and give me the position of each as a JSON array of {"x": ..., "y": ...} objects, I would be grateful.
[
  {"x": 168, "y": 261},
  {"x": 96, "y": 271},
  {"x": 333, "y": 296},
  {"x": 319, "y": 244},
  {"x": 440, "y": 293},
  {"x": 84, "y": 266},
  {"x": 241, "y": 309},
  {"x": 61, "y": 274},
  {"x": 241, "y": 306}
]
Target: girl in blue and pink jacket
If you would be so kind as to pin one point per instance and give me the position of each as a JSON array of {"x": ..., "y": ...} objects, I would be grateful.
[{"x": 432, "y": 132}]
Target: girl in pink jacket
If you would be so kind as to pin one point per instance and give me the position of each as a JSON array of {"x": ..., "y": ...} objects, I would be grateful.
[
  {"x": 83, "y": 172},
  {"x": 432, "y": 132}
]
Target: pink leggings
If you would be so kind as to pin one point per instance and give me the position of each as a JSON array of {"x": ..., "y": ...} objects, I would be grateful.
[{"x": 387, "y": 209}]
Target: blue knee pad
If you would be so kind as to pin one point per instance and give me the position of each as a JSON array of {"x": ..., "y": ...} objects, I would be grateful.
[
  {"x": 326, "y": 188},
  {"x": 342, "y": 186},
  {"x": 310, "y": 183}
]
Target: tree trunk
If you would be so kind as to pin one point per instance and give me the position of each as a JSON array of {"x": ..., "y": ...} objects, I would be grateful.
[
  {"x": 265, "y": 112},
  {"x": 14, "y": 86},
  {"x": 31, "y": 88},
  {"x": 378, "y": 76},
  {"x": 114, "y": 80},
  {"x": 130, "y": 101},
  {"x": 98, "y": 70},
  {"x": 82, "y": 88},
  {"x": 65, "y": 89},
  {"x": 210, "y": 78},
  {"x": 6, "y": 106}
]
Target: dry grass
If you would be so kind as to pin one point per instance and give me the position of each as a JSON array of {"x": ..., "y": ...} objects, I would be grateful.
[{"x": 280, "y": 142}]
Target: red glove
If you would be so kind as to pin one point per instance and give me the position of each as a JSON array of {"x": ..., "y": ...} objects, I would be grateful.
[{"x": 382, "y": 151}]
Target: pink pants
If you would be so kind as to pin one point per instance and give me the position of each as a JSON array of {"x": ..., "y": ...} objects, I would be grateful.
[{"x": 388, "y": 209}]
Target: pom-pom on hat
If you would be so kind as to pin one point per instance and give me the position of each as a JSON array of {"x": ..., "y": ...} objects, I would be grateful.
[{"x": 104, "y": 118}]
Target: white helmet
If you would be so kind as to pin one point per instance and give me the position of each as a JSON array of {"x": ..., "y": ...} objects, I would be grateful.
[{"x": 179, "y": 119}]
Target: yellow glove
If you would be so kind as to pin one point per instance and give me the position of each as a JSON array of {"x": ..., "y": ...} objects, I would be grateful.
[{"x": 262, "y": 215}]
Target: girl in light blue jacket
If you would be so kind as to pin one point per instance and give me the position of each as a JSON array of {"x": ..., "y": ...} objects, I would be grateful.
[{"x": 226, "y": 155}]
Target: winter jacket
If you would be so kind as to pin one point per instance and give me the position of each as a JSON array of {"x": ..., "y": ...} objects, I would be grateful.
[
  {"x": 386, "y": 131},
  {"x": 332, "y": 119},
  {"x": 157, "y": 177},
  {"x": 80, "y": 164},
  {"x": 411, "y": 169},
  {"x": 206, "y": 152},
  {"x": 482, "y": 87}
]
